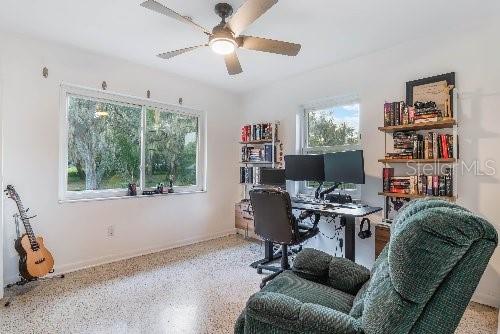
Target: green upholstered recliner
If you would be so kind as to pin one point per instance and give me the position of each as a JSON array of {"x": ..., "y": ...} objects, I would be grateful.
[{"x": 421, "y": 283}]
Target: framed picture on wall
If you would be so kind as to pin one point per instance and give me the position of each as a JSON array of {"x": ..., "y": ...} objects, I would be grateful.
[{"x": 438, "y": 89}]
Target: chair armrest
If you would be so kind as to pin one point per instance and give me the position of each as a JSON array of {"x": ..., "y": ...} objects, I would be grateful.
[
  {"x": 291, "y": 315},
  {"x": 312, "y": 264}
]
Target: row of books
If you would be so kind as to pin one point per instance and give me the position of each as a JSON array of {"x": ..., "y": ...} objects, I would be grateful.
[
  {"x": 257, "y": 154},
  {"x": 432, "y": 145},
  {"x": 429, "y": 185},
  {"x": 250, "y": 175},
  {"x": 257, "y": 132},
  {"x": 398, "y": 113}
]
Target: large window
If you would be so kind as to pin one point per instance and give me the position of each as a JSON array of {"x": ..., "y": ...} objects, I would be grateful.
[
  {"x": 331, "y": 126},
  {"x": 109, "y": 141}
]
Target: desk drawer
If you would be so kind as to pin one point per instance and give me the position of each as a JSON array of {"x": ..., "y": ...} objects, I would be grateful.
[{"x": 242, "y": 217}]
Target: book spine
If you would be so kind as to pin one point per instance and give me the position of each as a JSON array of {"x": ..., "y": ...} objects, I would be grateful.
[
  {"x": 426, "y": 147},
  {"x": 393, "y": 117},
  {"x": 400, "y": 109},
  {"x": 450, "y": 146},
  {"x": 406, "y": 120},
  {"x": 442, "y": 186},
  {"x": 415, "y": 147},
  {"x": 435, "y": 148},
  {"x": 387, "y": 114},
  {"x": 412, "y": 185},
  {"x": 444, "y": 146},
  {"x": 411, "y": 115},
  {"x": 435, "y": 185},
  {"x": 440, "y": 146},
  {"x": 429, "y": 185},
  {"x": 449, "y": 181},
  {"x": 396, "y": 114},
  {"x": 387, "y": 174}
]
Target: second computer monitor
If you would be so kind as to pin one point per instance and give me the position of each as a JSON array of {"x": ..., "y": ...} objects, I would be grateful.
[
  {"x": 345, "y": 167},
  {"x": 304, "y": 168}
]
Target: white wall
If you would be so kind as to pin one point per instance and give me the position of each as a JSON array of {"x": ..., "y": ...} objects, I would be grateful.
[
  {"x": 76, "y": 232},
  {"x": 381, "y": 77},
  {"x": 1, "y": 181}
]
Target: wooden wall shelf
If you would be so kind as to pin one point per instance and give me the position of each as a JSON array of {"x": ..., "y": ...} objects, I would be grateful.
[
  {"x": 443, "y": 124},
  {"x": 256, "y": 142},
  {"x": 418, "y": 161},
  {"x": 413, "y": 196},
  {"x": 256, "y": 162}
]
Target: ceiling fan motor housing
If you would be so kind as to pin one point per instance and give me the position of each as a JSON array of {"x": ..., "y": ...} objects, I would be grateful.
[{"x": 221, "y": 31}]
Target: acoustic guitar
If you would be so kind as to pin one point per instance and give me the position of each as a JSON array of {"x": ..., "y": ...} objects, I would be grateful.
[{"x": 35, "y": 260}]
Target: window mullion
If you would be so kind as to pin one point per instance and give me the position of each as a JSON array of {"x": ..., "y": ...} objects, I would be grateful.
[{"x": 143, "y": 149}]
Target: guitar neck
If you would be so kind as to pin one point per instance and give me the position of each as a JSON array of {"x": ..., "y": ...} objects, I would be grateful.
[{"x": 25, "y": 219}]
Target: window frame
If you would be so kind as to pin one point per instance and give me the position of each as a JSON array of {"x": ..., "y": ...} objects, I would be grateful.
[
  {"x": 304, "y": 137},
  {"x": 68, "y": 90}
]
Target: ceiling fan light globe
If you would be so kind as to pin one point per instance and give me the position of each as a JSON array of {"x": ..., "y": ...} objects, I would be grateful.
[{"x": 223, "y": 46}]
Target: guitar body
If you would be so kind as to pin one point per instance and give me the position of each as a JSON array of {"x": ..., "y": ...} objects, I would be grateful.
[{"x": 33, "y": 263}]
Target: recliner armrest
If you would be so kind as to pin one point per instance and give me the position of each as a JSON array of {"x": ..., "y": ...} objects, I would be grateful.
[
  {"x": 292, "y": 315},
  {"x": 347, "y": 276},
  {"x": 339, "y": 273},
  {"x": 312, "y": 264}
]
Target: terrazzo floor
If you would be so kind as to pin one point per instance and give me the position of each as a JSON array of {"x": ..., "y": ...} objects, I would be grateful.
[{"x": 195, "y": 289}]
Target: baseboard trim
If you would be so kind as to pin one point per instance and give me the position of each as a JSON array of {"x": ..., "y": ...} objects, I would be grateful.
[
  {"x": 486, "y": 299},
  {"x": 250, "y": 234},
  {"x": 71, "y": 267}
]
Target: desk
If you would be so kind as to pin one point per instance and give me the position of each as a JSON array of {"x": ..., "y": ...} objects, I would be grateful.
[{"x": 350, "y": 211}]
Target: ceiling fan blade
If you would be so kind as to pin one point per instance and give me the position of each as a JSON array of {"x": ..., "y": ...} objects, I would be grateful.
[
  {"x": 269, "y": 45},
  {"x": 233, "y": 64},
  {"x": 159, "y": 8},
  {"x": 250, "y": 11},
  {"x": 172, "y": 54}
]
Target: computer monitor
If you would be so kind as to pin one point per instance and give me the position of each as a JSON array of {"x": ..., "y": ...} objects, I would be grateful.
[
  {"x": 272, "y": 177},
  {"x": 305, "y": 168},
  {"x": 345, "y": 167}
]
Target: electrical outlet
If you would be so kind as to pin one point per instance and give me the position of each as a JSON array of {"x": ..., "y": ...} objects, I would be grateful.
[{"x": 111, "y": 231}]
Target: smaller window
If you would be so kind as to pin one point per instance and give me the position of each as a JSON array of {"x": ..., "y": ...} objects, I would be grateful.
[{"x": 328, "y": 129}]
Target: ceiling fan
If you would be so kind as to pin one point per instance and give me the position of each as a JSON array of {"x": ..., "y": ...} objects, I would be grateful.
[{"x": 226, "y": 37}]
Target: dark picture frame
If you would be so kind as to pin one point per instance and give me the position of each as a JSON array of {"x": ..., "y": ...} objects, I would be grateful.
[{"x": 448, "y": 77}]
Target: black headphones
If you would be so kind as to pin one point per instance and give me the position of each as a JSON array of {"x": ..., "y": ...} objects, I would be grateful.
[{"x": 365, "y": 234}]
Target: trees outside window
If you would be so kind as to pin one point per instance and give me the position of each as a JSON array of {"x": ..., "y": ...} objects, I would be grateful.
[
  {"x": 111, "y": 141},
  {"x": 333, "y": 128},
  {"x": 103, "y": 144},
  {"x": 171, "y": 146}
]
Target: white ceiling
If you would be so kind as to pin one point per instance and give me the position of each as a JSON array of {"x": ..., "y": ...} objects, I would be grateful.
[{"x": 329, "y": 31}]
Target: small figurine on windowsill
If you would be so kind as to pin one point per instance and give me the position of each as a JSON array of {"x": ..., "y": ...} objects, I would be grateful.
[
  {"x": 132, "y": 189},
  {"x": 171, "y": 184}
]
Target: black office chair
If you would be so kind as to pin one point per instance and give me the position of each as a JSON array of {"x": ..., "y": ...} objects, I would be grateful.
[{"x": 275, "y": 222}]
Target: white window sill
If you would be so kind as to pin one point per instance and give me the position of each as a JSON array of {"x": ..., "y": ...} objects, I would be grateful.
[{"x": 113, "y": 198}]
